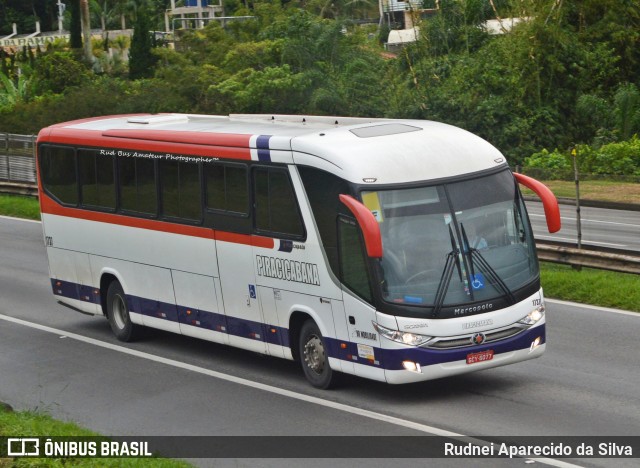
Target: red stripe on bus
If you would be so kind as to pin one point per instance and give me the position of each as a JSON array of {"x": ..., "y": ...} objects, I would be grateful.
[
  {"x": 95, "y": 138},
  {"x": 255, "y": 241},
  {"x": 49, "y": 206},
  {"x": 196, "y": 138}
]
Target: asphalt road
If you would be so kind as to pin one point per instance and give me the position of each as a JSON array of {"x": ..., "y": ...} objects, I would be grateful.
[
  {"x": 586, "y": 384},
  {"x": 617, "y": 229}
]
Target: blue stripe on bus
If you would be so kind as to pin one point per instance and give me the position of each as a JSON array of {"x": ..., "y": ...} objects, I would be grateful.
[
  {"x": 192, "y": 316},
  {"x": 262, "y": 144},
  {"x": 393, "y": 358},
  {"x": 153, "y": 308},
  {"x": 202, "y": 319},
  {"x": 209, "y": 320},
  {"x": 390, "y": 359},
  {"x": 75, "y": 291},
  {"x": 286, "y": 246}
]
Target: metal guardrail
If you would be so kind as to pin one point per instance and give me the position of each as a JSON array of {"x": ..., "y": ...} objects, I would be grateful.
[
  {"x": 13, "y": 188},
  {"x": 17, "y": 158},
  {"x": 621, "y": 261},
  {"x": 609, "y": 205},
  {"x": 18, "y": 164}
]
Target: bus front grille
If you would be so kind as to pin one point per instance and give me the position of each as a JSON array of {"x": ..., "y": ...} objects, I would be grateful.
[{"x": 467, "y": 340}]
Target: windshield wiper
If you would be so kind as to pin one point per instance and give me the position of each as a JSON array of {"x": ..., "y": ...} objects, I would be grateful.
[
  {"x": 453, "y": 258},
  {"x": 474, "y": 254}
]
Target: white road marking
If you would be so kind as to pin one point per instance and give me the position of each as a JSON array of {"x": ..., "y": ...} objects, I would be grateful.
[
  {"x": 278, "y": 391},
  {"x": 592, "y": 307},
  {"x": 586, "y": 220},
  {"x": 20, "y": 219}
]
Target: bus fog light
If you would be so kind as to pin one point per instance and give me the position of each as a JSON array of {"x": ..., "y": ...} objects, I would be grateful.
[
  {"x": 412, "y": 366},
  {"x": 535, "y": 343}
]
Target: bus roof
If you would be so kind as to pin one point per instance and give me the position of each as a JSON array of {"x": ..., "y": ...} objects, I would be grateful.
[{"x": 384, "y": 151}]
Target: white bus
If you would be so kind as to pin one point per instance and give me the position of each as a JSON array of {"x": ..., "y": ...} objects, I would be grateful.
[{"x": 395, "y": 250}]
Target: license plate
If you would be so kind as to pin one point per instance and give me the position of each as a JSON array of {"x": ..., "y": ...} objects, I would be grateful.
[{"x": 482, "y": 356}]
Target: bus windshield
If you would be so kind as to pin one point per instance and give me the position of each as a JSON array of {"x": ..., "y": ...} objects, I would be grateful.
[{"x": 454, "y": 244}]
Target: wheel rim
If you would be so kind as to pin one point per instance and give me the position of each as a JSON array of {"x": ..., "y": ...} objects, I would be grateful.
[
  {"x": 119, "y": 312},
  {"x": 314, "y": 355}
]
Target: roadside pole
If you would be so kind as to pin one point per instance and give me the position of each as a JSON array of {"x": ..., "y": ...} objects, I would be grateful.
[{"x": 574, "y": 155}]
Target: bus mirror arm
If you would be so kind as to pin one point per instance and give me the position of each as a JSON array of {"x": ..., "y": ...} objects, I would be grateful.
[
  {"x": 549, "y": 201},
  {"x": 368, "y": 223}
]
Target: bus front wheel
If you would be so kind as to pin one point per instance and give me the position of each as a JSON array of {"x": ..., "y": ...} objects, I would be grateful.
[
  {"x": 313, "y": 357},
  {"x": 118, "y": 314}
]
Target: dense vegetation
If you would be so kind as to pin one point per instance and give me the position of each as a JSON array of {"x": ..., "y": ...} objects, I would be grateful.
[{"x": 567, "y": 76}]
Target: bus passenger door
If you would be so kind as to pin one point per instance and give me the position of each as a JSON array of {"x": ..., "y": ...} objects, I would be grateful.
[
  {"x": 239, "y": 293},
  {"x": 365, "y": 351}
]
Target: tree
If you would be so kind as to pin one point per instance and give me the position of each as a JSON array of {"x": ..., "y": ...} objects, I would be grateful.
[
  {"x": 86, "y": 30},
  {"x": 12, "y": 93},
  {"x": 56, "y": 72},
  {"x": 107, "y": 11},
  {"x": 141, "y": 58},
  {"x": 25, "y": 14},
  {"x": 627, "y": 110},
  {"x": 75, "y": 29}
]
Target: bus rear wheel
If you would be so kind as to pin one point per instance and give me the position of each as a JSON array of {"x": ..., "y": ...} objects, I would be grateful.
[
  {"x": 313, "y": 357},
  {"x": 118, "y": 314}
]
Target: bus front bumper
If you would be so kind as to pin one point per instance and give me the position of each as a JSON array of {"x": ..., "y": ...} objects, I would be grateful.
[{"x": 419, "y": 364}]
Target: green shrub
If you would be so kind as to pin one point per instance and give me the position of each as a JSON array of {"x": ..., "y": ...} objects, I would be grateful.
[
  {"x": 551, "y": 161},
  {"x": 56, "y": 72},
  {"x": 622, "y": 158},
  {"x": 619, "y": 159}
]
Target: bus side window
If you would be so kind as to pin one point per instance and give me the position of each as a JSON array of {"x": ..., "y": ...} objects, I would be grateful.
[
  {"x": 58, "y": 172},
  {"x": 97, "y": 181},
  {"x": 138, "y": 185},
  {"x": 323, "y": 191},
  {"x": 276, "y": 208},
  {"x": 353, "y": 266},
  {"x": 181, "y": 196},
  {"x": 227, "y": 188}
]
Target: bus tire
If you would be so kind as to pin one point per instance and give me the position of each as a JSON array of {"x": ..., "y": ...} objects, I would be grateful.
[
  {"x": 118, "y": 314},
  {"x": 313, "y": 357}
]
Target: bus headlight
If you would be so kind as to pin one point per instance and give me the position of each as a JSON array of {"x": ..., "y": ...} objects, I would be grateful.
[
  {"x": 411, "y": 339},
  {"x": 533, "y": 317}
]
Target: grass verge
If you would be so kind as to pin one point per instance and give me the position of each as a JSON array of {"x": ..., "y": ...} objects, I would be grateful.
[
  {"x": 19, "y": 206},
  {"x": 590, "y": 286},
  {"x": 601, "y": 190},
  {"x": 32, "y": 424}
]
